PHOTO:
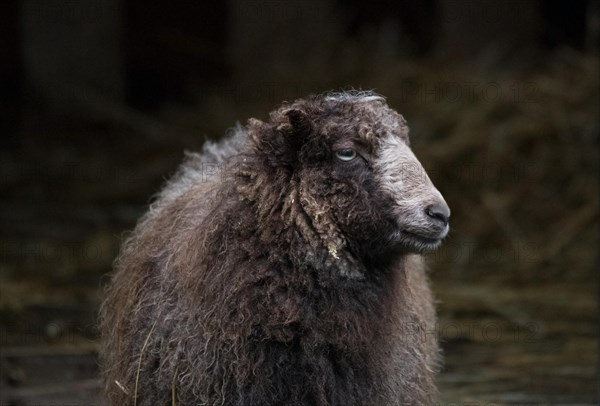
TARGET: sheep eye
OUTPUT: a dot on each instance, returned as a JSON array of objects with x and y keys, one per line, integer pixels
[{"x": 345, "y": 154}]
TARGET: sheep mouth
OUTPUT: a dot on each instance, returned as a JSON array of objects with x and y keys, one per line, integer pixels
[{"x": 417, "y": 242}]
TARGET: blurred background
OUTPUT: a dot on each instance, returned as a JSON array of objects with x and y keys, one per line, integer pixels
[{"x": 100, "y": 99}]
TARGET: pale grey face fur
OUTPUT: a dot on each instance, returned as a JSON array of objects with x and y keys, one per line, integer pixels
[{"x": 421, "y": 210}]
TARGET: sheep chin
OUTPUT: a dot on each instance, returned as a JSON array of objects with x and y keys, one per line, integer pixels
[{"x": 415, "y": 243}]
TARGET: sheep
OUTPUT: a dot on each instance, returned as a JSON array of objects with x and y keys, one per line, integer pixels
[{"x": 292, "y": 275}]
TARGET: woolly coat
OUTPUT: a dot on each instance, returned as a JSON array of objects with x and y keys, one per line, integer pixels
[{"x": 264, "y": 274}]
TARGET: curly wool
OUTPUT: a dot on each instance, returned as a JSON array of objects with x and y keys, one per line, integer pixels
[{"x": 262, "y": 275}]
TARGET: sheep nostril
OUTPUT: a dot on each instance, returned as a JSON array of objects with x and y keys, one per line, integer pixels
[{"x": 439, "y": 212}]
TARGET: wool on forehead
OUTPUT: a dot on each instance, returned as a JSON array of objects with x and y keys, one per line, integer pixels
[
  {"x": 364, "y": 113},
  {"x": 358, "y": 96}
]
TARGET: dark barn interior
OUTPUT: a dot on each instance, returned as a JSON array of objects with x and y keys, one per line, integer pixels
[{"x": 99, "y": 100}]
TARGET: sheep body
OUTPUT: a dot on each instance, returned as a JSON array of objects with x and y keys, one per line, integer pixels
[{"x": 267, "y": 272}]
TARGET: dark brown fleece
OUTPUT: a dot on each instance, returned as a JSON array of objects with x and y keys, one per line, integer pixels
[{"x": 274, "y": 281}]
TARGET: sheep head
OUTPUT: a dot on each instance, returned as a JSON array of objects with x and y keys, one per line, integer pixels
[{"x": 344, "y": 160}]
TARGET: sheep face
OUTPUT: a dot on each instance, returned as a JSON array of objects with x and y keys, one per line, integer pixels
[
  {"x": 348, "y": 164},
  {"x": 419, "y": 209}
]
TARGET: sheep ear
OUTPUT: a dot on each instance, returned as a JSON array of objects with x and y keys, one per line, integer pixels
[
  {"x": 297, "y": 129},
  {"x": 299, "y": 121},
  {"x": 282, "y": 140},
  {"x": 268, "y": 140}
]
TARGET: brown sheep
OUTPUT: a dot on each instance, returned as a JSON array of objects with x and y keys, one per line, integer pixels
[{"x": 291, "y": 276}]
